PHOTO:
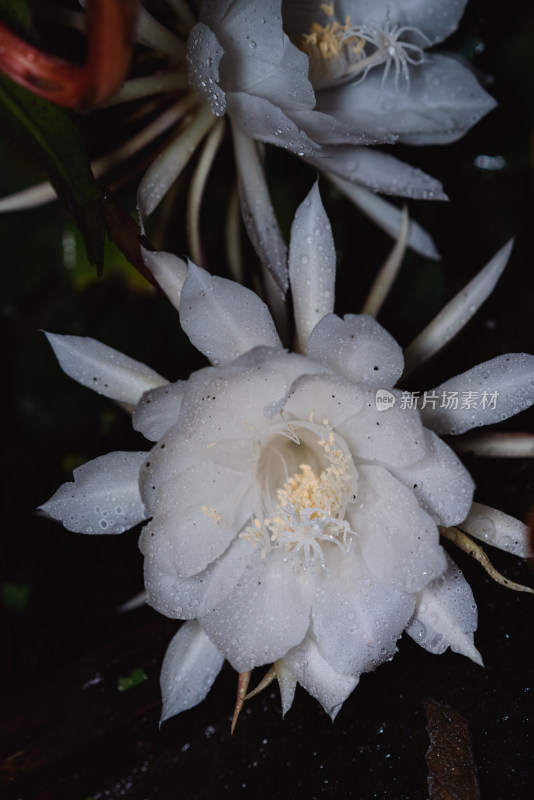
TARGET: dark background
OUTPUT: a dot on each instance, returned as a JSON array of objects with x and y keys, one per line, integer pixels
[{"x": 69, "y": 730}]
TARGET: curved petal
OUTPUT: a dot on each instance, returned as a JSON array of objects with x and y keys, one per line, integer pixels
[
  {"x": 169, "y": 163},
  {"x": 172, "y": 596},
  {"x": 104, "y": 497},
  {"x": 103, "y": 369},
  {"x": 326, "y": 400},
  {"x": 435, "y": 18},
  {"x": 204, "y": 54},
  {"x": 267, "y": 122},
  {"x": 257, "y": 210},
  {"x": 498, "y": 529},
  {"x": 378, "y": 171},
  {"x": 440, "y": 482},
  {"x": 386, "y": 216},
  {"x": 312, "y": 671},
  {"x": 158, "y": 410},
  {"x": 259, "y": 57},
  {"x": 266, "y": 613},
  {"x": 198, "y": 513},
  {"x": 444, "y": 100},
  {"x": 223, "y": 319},
  {"x": 312, "y": 265},
  {"x": 457, "y": 313},
  {"x": 325, "y": 129},
  {"x": 446, "y": 615},
  {"x": 399, "y": 542},
  {"x": 169, "y": 271},
  {"x": 191, "y": 664},
  {"x": 490, "y": 392},
  {"x": 358, "y": 348},
  {"x": 357, "y": 619},
  {"x": 390, "y": 435}
]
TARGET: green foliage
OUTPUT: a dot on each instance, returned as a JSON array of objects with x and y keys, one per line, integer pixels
[{"x": 135, "y": 677}]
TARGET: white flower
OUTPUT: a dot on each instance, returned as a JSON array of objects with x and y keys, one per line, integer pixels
[
  {"x": 326, "y": 81},
  {"x": 293, "y": 521}
]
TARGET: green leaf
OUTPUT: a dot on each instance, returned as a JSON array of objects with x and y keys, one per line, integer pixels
[
  {"x": 50, "y": 134},
  {"x": 16, "y": 596},
  {"x": 135, "y": 677},
  {"x": 16, "y": 13}
]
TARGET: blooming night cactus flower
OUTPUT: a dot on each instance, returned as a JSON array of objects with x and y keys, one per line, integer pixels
[
  {"x": 293, "y": 520},
  {"x": 326, "y": 81}
]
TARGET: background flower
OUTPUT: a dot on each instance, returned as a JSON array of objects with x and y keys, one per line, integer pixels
[{"x": 351, "y": 77}]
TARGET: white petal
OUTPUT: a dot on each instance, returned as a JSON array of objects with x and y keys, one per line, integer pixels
[
  {"x": 391, "y": 435},
  {"x": 266, "y": 614},
  {"x": 191, "y": 664},
  {"x": 158, "y": 410},
  {"x": 323, "y": 397},
  {"x": 457, "y": 313},
  {"x": 490, "y": 392},
  {"x": 498, "y": 529},
  {"x": 263, "y": 120},
  {"x": 204, "y": 54},
  {"x": 258, "y": 213},
  {"x": 169, "y": 271},
  {"x": 198, "y": 513},
  {"x": 175, "y": 597},
  {"x": 399, "y": 541},
  {"x": 313, "y": 672},
  {"x": 357, "y": 619},
  {"x": 103, "y": 369},
  {"x": 440, "y": 482},
  {"x": 387, "y": 216},
  {"x": 312, "y": 266},
  {"x": 104, "y": 497},
  {"x": 224, "y": 319},
  {"x": 169, "y": 163},
  {"x": 288, "y": 685},
  {"x": 259, "y": 57},
  {"x": 446, "y": 616},
  {"x": 378, "y": 171},
  {"x": 358, "y": 348},
  {"x": 444, "y": 100},
  {"x": 437, "y": 19}
]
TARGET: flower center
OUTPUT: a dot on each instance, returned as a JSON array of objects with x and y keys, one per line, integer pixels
[
  {"x": 339, "y": 52},
  {"x": 305, "y": 512}
]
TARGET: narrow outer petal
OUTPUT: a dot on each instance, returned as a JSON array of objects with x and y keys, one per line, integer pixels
[
  {"x": 204, "y": 54},
  {"x": 223, "y": 319},
  {"x": 103, "y": 369},
  {"x": 312, "y": 671},
  {"x": 457, "y": 313},
  {"x": 104, "y": 497},
  {"x": 498, "y": 529},
  {"x": 258, "y": 213},
  {"x": 378, "y": 171},
  {"x": 386, "y": 215},
  {"x": 191, "y": 664},
  {"x": 508, "y": 379},
  {"x": 169, "y": 271},
  {"x": 312, "y": 265},
  {"x": 446, "y": 616}
]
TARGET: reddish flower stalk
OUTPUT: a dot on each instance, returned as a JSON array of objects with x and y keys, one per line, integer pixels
[{"x": 110, "y": 26}]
